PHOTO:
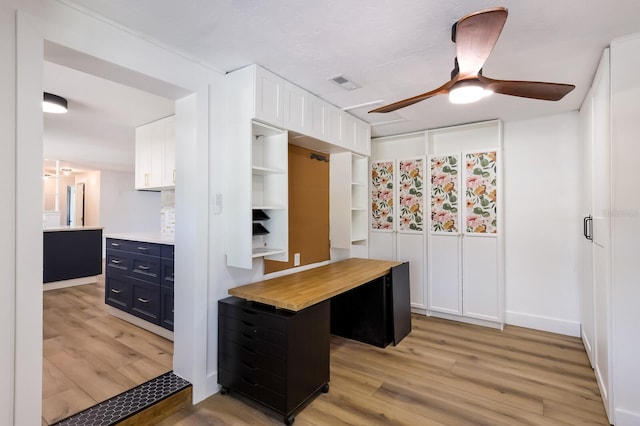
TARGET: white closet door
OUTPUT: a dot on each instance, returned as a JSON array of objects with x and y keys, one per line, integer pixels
[
  {"x": 588, "y": 306},
  {"x": 444, "y": 251},
  {"x": 411, "y": 222},
  {"x": 382, "y": 235},
  {"x": 480, "y": 252}
]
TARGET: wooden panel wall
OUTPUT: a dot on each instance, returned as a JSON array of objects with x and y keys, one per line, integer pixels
[{"x": 308, "y": 209}]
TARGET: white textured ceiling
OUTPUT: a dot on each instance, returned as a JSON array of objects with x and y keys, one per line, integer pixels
[{"x": 392, "y": 49}]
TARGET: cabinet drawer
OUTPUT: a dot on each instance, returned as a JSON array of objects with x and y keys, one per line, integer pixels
[
  {"x": 149, "y": 249},
  {"x": 229, "y": 330},
  {"x": 251, "y": 389},
  {"x": 145, "y": 267},
  {"x": 252, "y": 316},
  {"x": 166, "y": 272},
  {"x": 232, "y": 350},
  {"x": 145, "y": 300},
  {"x": 253, "y": 374},
  {"x": 167, "y": 251},
  {"x": 166, "y": 308},
  {"x": 253, "y": 331},
  {"x": 122, "y": 245},
  {"x": 117, "y": 261},
  {"x": 117, "y": 291}
]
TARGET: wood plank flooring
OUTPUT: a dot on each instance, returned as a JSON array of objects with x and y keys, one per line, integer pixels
[
  {"x": 90, "y": 356},
  {"x": 443, "y": 373}
]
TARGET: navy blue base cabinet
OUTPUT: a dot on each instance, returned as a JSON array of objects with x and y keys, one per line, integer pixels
[{"x": 139, "y": 280}]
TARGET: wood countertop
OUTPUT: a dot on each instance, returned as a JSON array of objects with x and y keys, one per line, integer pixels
[{"x": 300, "y": 290}]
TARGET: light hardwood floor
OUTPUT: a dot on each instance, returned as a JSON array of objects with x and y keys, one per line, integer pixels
[
  {"x": 90, "y": 356},
  {"x": 443, "y": 373}
]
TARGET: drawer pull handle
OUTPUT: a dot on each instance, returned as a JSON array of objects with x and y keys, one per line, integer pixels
[
  {"x": 143, "y": 267},
  {"x": 116, "y": 291},
  {"x": 143, "y": 248},
  {"x": 247, "y": 349},
  {"x": 249, "y": 382},
  {"x": 115, "y": 245},
  {"x": 140, "y": 299},
  {"x": 115, "y": 261}
]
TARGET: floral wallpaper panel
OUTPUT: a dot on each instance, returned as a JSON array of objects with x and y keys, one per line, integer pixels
[
  {"x": 382, "y": 195},
  {"x": 444, "y": 193},
  {"x": 410, "y": 191},
  {"x": 480, "y": 193}
]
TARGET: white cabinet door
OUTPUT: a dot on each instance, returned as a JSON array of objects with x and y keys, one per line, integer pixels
[
  {"x": 411, "y": 248},
  {"x": 297, "y": 111},
  {"x": 149, "y": 155},
  {"x": 169, "y": 153},
  {"x": 269, "y": 91},
  {"x": 334, "y": 125},
  {"x": 362, "y": 138},
  {"x": 480, "y": 298},
  {"x": 445, "y": 278},
  {"x": 319, "y": 125}
]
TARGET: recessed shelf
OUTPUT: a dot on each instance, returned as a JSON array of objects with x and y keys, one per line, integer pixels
[
  {"x": 259, "y": 214},
  {"x": 268, "y": 207},
  {"x": 266, "y": 251},
  {"x": 259, "y": 229},
  {"x": 264, "y": 171}
]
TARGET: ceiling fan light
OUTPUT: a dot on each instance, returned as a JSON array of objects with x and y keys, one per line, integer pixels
[
  {"x": 466, "y": 93},
  {"x": 487, "y": 93},
  {"x": 54, "y": 103}
]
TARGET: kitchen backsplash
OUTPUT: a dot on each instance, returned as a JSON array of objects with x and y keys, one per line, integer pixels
[{"x": 168, "y": 215}]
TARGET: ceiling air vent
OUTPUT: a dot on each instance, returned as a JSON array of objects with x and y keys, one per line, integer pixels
[{"x": 344, "y": 82}]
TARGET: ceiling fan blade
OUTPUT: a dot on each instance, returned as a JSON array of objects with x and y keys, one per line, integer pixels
[
  {"x": 444, "y": 89},
  {"x": 475, "y": 36},
  {"x": 528, "y": 89}
]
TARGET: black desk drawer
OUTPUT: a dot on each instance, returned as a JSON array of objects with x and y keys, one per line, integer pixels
[
  {"x": 122, "y": 245},
  {"x": 236, "y": 332},
  {"x": 117, "y": 260},
  {"x": 251, "y": 389},
  {"x": 253, "y": 373},
  {"x": 145, "y": 267},
  {"x": 253, "y": 317},
  {"x": 241, "y": 353},
  {"x": 145, "y": 300}
]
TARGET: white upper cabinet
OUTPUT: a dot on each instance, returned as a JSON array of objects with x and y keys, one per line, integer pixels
[
  {"x": 269, "y": 94},
  {"x": 277, "y": 102},
  {"x": 155, "y": 155}
]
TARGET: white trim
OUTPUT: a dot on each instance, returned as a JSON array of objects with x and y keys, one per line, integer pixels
[
  {"x": 539, "y": 322},
  {"x": 56, "y": 285},
  {"x": 467, "y": 320}
]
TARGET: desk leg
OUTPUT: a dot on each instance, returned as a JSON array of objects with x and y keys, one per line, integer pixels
[{"x": 401, "y": 302}]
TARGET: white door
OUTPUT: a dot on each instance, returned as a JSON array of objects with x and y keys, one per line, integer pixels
[
  {"x": 601, "y": 229},
  {"x": 382, "y": 236},
  {"x": 588, "y": 307},
  {"x": 445, "y": 234}
]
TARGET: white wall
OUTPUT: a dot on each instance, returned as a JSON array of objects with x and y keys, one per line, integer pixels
[
  {"x": 542, "y": 223},
  {"x": 123, "y": 209},
  {"x": 92, "y": 196}
]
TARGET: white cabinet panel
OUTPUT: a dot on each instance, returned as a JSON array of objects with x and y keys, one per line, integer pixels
[
  {"x": 334, "y": 127},
  {"x": 363, "y": 138},
  {"x": 445, "y": 283},
  {"x": 297, "y": 111},
  {"x": 155, "y": 155},
  {"x": 269, "y": 91},
  {"x": 318, "y": 118},
  {"x": 169, "y": 153},
  {"x": 382, "y": 245},
  {"x": 480, "y": 278},
  {"x": 411, "y": 249}
]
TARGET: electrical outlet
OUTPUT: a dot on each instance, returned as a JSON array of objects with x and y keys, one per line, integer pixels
[{"x": 296, "y": 259}]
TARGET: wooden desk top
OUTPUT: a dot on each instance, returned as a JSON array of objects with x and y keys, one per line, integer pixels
[{"x": 303, "y": 289}]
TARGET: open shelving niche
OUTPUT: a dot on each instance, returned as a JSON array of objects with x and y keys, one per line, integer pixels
[
  {"x": 359, "y": 199},
  {"x": 269, "y": 190}
]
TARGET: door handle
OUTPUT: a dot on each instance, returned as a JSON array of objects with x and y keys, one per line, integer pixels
[{"x": 587, "y": 227}]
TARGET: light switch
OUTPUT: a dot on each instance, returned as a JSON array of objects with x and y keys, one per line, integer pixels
[{"x": 296, "y": 259}]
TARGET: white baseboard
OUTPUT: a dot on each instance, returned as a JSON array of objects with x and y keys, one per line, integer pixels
[
  {"x": 538, "y": 322},
  {"x": 627, "y": 418},
  {"x": 466, "y": 320},
  {"x": 55, "y": 285},
  {"x": 160, "y": 331}
]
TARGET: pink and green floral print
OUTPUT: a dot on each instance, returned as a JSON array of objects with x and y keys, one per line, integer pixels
[
  {"x": 410, "y": 195},
  {"x": 444, "y": 194},
  {"x": 481, "y": 196},
  {"x": 382, "y": 195}
]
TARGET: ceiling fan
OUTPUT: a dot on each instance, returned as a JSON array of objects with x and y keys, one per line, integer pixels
[{"x": 475, "y": 35}]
